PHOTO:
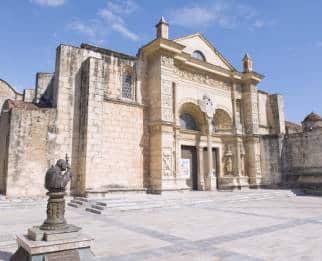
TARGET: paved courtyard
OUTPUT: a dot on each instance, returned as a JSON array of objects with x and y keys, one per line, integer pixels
[{"x": 247, "y": 225}]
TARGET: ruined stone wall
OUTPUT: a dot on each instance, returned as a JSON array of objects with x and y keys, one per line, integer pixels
[
  {"x": 277, "y": 106},
  {"x": 44, "y": 89},
  {"x": 7, "y": 92},
  {"x": 4, "y": 141},
  {"x": 30, "y": 152},
  {"x": 28, "y": 95}
]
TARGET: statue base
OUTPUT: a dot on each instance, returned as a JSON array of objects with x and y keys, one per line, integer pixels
[
  {"x": 230, "y": 182},
  {"x": 75, "y": 249},
  {"x": 68, "y": 232}
]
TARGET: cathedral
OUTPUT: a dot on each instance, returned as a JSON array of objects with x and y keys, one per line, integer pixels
[{"x": 177, "y": 116}]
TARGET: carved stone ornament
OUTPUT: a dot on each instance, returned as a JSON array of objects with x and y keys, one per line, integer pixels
[
  {"x": 203, "y": 79},
  {"x": 167, "y": 162},
  {"x": 207, "y": 106},
  {"x": 228, "y": 161}
]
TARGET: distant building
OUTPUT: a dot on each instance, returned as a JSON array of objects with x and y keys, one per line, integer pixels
[{"x": 135, "y": 122}]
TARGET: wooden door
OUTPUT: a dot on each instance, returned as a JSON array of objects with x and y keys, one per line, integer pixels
[{"x": 189, "y": 156}]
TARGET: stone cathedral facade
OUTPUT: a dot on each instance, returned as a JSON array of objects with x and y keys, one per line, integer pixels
[{"x": 135, "y": 123}]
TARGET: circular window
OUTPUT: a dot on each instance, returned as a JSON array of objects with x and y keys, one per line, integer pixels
[{"x": 199, "y": 55}]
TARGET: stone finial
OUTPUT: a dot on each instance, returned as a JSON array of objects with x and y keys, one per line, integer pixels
[
  {"x": 162, "y": 29},
  {"x": 247, "y": 63}
]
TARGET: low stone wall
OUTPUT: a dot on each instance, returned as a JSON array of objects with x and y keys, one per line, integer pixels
[{"x": 303, "y": 159}]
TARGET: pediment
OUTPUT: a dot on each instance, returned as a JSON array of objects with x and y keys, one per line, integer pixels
[{"x": 197, "y": 42}]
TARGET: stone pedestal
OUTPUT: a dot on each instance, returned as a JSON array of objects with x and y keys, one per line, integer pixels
[
  {"x": 213, "y": 183},
  {"x": 233, "y": 182},
  {"x": 255, "y": 182},
  {"x": 76, "y": 249},
  {"x": 69, "y": 231},
  {"x": 55, "y": 212}
]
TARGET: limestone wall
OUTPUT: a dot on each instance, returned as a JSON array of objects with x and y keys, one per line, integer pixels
[
  {"x": 28, "y": 95},
  {"x": 4, "y": 141},
  {"x": 30, "y": 150},
  {"x": 7, "y": 92},
  {"x": 271, "y": 159},
  {"x": 303, "y": 153},
  {"x": 302, "y": 163},
  {"x": 112, "y": 139},
  {"x": 66, "y": 98},
  {"x": 44, "y": 89}
]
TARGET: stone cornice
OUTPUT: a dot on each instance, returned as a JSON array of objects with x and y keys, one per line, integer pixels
[
  {"x": 124, "y": 102},
  {"x": 253, "y": 77},
  {"x": 161, "y": 44},
  {"x": 185, "y": 59}
]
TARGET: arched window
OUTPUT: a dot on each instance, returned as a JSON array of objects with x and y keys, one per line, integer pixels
[
  {"x": 127, "y": 86},
  {"x": 188, "y": 122},
  {"x": 199, "y": 55},
  {"x": 222, "y": 120}
]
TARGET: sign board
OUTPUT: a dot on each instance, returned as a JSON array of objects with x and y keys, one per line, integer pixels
[{"x": 185, "y": 168}]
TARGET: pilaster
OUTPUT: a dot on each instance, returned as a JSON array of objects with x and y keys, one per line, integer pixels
[{"x": 253, "y": 167}]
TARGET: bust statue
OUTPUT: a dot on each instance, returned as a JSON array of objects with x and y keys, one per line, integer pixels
[{"x": 58, "y": 176}]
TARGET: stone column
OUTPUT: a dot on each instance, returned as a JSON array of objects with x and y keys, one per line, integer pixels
[
  {"x": 251, "y": 127},
  {"x": 233, "y": 101},
  {"x": 253, "y": 161},
  {"x": 237, "y": 157},
  {"x": 209, "y": 152},
  {"x": 201, "y": 178},
  {"x": 208, "y": 108}
]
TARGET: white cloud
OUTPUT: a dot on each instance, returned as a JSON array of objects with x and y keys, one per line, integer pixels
[
  {"x": 52, "y": 3},
  {"x": 122, "y": 7},
  {"x": 80, "y": 27},
  {"x": 125, "y": 32},
  {"x": 194, "y": 16},
  {"x": 226, "y": 14},
  {"x": 113, "y": 16},
  {"x": 110, "y": 18}
]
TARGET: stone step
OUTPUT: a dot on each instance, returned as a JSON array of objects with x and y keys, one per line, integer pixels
[
  {"x": 82, "y": 199},
  {"x": 75, "y": 201},
  {"x": 73, "y": 205},
  {"x": 100, "y": 203},
  {"x": 98, "y": 207},
  {"x": 93, "y": 210}
]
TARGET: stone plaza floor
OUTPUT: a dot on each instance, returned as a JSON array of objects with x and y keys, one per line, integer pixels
[{"x": 246, "y": 225}]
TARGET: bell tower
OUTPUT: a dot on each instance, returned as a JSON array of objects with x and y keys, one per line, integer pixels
[
  {"x": 247, "y": 63},
  {"x": 162, "y": 29}
]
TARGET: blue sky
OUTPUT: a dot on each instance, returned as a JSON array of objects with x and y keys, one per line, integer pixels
[{"x": 284, "y": 38}]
